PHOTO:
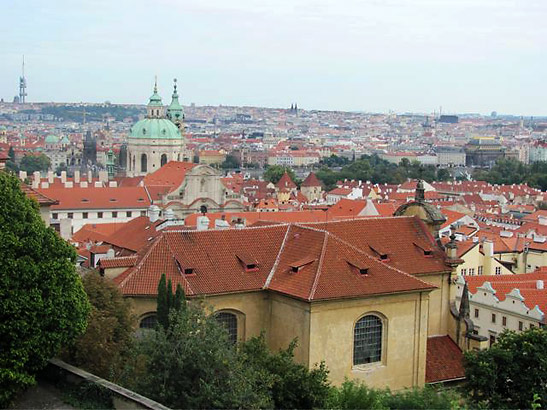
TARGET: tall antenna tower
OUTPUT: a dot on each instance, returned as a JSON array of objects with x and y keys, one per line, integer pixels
[{"x": 22, "y": 85}]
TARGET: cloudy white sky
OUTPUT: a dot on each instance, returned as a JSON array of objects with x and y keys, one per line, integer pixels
[{"x": 366, "y": 55}]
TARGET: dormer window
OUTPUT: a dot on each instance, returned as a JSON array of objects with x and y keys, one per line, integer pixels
[
  {"x": 382, "y": 254},
  {"x": 426, "y": 250},
  {"x": 184, "y": 270},
  {"x": 188, "y": 271},
  {"x": 249, "y": 262},
  {"x": 359, "y": 267},
  {"x": 300, "y": 264}
]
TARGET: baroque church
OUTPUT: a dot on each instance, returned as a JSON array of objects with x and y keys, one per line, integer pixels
[{"x": 157, "y": 139}]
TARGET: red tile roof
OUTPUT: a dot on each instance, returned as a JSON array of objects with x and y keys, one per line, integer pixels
[
  {"x": 311, "y": 180},
  {"x": 42, "y": 199},
  {"x": 285, "y": 182},
  {"x": 330, "y": 273},
  {"x": 443, "y": 360},
  {"x": 97, "y": 198},
  {"x": 123, "y": 262}
]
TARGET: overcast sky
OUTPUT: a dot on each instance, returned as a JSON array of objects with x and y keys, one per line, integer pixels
[{"x": 359, "y": 55}]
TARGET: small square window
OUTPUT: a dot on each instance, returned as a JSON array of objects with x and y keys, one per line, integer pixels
[
  {"x": 143, "y": 213},
  {"x": 84, "y": 215},
  {"x": 504, "y": 321},
  {"x": 471, "y": 271},
  {"x": 128, "y": 214},
  {"x": 99, "y": 214},
  {"x": 498, "y": 270},
  {"x": 54, "y": 216},
  {"x": 114, "y": 214},
  {"x": 493, "y": 318},
  {"x": 70, "y": 215},
  {"x": 477, "y": 313},
  {"x": 464, "y": 272}
]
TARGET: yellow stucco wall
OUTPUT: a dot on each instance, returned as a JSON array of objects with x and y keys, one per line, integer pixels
[
  {"x": 325, "y": 331},
  {"x": 439, "y": 303},
  {"x": 404, "y": 339}
]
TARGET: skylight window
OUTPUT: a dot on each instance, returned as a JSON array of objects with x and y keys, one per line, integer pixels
[
  {"x": 359, "y": 267},
  {"x": 249, "y": 262}
]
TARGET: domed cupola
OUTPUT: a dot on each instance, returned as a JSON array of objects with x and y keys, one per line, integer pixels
[
  {"x": 155, "y": 107},
  {"x": 175, "y": 111}
]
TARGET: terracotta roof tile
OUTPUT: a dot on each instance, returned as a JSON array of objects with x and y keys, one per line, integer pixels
[
  {"x": 443, "y": 360},
  {"x": 97, "y": 198}
]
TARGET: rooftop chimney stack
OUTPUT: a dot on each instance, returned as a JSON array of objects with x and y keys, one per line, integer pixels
[
  {"x": 202, "y": 223},
  {"x": 77, "y": 176},
  {"x": 154, "y": 213}
]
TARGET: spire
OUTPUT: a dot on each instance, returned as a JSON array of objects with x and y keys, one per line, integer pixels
[
  {"x": 155, "y": 84},
  {"x": 420, "y": 191},
  {"x": 464, "y": 304},
  {"x": 175, "y": 111}
]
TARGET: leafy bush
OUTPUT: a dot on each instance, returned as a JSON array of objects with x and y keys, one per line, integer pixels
[
  {"x": 355, "y": 395},
  {"x": 109, "y": 332},
  {"x": 511, "y": 372},
  {"x": 43, "y": 305}
]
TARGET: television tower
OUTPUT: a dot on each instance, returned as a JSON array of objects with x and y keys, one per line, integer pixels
[{"x": 22, "y": 85}]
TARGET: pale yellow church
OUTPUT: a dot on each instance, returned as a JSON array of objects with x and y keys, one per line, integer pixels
[{"x": 370, "y": 297}]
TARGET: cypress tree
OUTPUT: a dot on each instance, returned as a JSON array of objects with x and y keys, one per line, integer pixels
[
  {"x": 180, "y": 298},
  {"x": 170, "y": 296},
  {"x": 162, "y": 303}
]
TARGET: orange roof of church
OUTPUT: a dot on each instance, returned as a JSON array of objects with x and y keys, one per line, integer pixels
[
  {"x": 170, "y": 175},
  {"x": 285, "y": 182},
  {"x": 311, "y": 180},
  {"x": 443, "y": 360},
  {"x": 333, "y": 251}
]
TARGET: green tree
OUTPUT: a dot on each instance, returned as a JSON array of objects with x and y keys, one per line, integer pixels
[
  {"x": 180, "y": 299},
  {"x": 100, "y": 350},
  {"x": 275, "y": 172},
  {"x": 42, "y": 302},
  {"x": 230, "y": 162},
  {"x": 293, "y": 385},
  {"x": 191, "y": 364},
  {"x": 32, "y": 163},
  {"x": 509, "y": 373},
  {"x": 62, "y": 167},
  {"x": 162, "y": 303}
]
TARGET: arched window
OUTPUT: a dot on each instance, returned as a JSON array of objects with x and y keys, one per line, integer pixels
[
  {"x": 144, "y": 163},
  {"x": 148, "y": 322},
  {"x": 163, "y": 159},
  {"x": 367, "y": 340},
  {"x": 229, "y": 321}
]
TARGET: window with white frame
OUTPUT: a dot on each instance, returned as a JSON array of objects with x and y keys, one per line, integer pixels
[{"x": 498, "y": 270}]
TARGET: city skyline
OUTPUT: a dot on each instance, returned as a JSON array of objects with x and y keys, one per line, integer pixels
[{"x": 404, "y": 56}]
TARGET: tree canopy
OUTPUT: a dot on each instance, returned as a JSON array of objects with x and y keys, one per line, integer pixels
[
  {"x": 109, "y": 334},
  {"x": 510, "y": 373},
  {"x": 32, "y": 163},
  {"x": 42, "y": 301},
  {"x": 230, "y": 162},
  {"x": 379, "y": 171},
  {"x": 511, "y": 171}
]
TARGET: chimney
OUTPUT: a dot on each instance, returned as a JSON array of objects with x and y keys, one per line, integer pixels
[
  {"x": 22, "y": 175},
  {"x": 36, "y": 179},
  {"x": 50, "y": 177},
  {"x": 63, "y": 177},
  {"x": 154, "y": 213},
  {"x": 103, "y": 176},
  {"x": 202, "y": 223},
  {"x": 77, "y": 176},
  {"x": 539, "y": 284},
  {"x": 488, "y": 248},
  {"x": 89, "y": 176},
  {"x": 169, "y": 215}
]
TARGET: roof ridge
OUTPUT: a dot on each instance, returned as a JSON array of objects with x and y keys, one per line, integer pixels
[
  {"x": 138, "y": 266},
  {"x": 320, "y": 265},
  {"x": 276, "y": 263}
]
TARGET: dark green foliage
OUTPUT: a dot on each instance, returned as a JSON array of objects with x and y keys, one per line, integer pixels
[
  {"x": 191, "y": 364},
  {"x": 355, "y": 395},
  {"x": 335, "y": 161},
  {"x": 230, "y": 162},
  {"x": 293, "y": 386},
  {"x": 275, "y": 172},
  {"x": 378, "y": 171},
  {"x": 62, "y": 167},
  {"x": 180, "y": 299},
  {"x": 43, "y": 305},
  {"x": 162, "y": 301},
  {"x": 509, "y": 373},
  {"x": 87, "y": 396},
  {"x": 32, "y": 163},
  {"x": 511, "y": 171},
  {"x": 100, "y": 350}
]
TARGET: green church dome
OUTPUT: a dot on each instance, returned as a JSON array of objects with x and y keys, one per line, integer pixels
[
  {"x": 155, "y": 128},
  {"x": 65, "y": 140},
  {"x": 52, "y": 139}
]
